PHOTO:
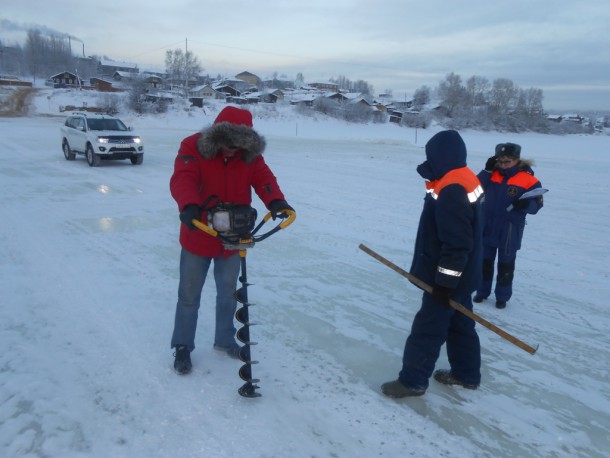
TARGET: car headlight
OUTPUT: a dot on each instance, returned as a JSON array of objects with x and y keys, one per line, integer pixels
[
  {"x": 102, "y": 140},
  {"x": 137, "y": 140}
]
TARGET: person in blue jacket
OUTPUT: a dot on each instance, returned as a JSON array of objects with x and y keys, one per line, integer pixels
[
  {"x": 506, "y": 178},
  {"x": 447, "y": 256}
]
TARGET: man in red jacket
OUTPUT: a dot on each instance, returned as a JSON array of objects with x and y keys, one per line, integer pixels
[{"x": 222, "y": 163}]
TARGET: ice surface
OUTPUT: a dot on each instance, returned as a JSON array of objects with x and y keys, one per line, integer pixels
[{"x": 88, "y": 276}]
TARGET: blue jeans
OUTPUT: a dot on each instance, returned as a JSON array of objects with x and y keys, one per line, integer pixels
[{"x": 193, "y": 271}]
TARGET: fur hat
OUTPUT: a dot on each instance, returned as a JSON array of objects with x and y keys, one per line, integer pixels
[
  {"x": 508, "y": 149},
  {"x": 231, "y": 129}
]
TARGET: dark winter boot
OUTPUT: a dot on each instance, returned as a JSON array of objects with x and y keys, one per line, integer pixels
[
  {"x": 182, "y": 361},
  {"x": 446, "y": 377},
  {"x": 396, "y": 389},
  {"x": 478, "y": 298},
  {"x": 500, "y": 304}
]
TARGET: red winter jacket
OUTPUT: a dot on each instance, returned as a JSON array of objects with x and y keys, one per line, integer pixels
[{"x": 201, "y": 170}]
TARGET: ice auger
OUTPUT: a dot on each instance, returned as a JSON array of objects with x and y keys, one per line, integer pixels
[{"x": 234, "y": 226}]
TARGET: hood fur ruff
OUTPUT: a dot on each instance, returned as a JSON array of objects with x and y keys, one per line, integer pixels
[{"x": 213, "y": 139}]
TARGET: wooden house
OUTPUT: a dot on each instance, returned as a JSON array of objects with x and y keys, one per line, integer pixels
[
  {"x": 102, "y": 85},
  {"x": 325, "y": 86},
  {"x": 206, "y": 91},
  {"x": 250, "y": 78},
  {"x": 66, "y": 79},
  {"x": 108, "y": 67}
]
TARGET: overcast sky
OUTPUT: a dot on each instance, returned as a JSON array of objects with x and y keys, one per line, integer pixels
[{"x": 559, "y": 46}]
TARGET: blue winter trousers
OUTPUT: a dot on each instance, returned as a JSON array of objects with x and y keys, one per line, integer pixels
[
  {"x": 193, "y": 272},
  {"x": 434, "y": 325},
  {"x": 506, "y": 272}
]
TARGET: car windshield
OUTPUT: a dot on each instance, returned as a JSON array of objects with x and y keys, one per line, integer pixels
[{"x": 106, "y": 124}]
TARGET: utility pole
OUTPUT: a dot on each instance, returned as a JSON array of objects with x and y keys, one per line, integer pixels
[{"x": 186, "y": 53}]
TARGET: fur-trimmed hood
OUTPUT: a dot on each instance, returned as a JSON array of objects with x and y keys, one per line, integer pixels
[{"x": 231, "y": 129}]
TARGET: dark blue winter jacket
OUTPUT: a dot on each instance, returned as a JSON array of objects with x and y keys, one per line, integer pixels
[
  {"x": 448, "y": 246},
  {"x": 503, "y": 229}
]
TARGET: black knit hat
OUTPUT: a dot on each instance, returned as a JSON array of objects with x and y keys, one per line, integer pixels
[{"x": 508, "y": 149}]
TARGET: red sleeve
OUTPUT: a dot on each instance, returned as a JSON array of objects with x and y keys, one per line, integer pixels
[
  {"x": 264, "y": 182},
  {"x": 185, "y": 181}
]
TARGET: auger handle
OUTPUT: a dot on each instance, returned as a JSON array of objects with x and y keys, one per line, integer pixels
[
  {"x": 204, "y": 227},
  {"x": 292, "y": 215}
]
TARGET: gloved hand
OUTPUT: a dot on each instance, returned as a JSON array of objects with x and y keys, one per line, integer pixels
[
  {"x": 521, "y": 204},
  {"x": 491, "y": 163},
  {"x": 441, "y": 294},
  {"x": 188, "y": 214},
  {"x": 278, "y": 208}
]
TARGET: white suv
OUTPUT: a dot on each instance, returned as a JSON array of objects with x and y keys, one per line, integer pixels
[{"x": 100, "y": 137}]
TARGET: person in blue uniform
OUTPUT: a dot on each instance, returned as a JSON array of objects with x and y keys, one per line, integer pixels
[
  {"x": 505, "y": 179},
  {"x": 447, "y": 256}
]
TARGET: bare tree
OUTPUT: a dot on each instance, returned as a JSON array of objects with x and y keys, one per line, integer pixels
[
  {"x": 503, "y": 96},
  {"x": 452, "y": 93},
  {"x": 182, "y": 67},
  {"x": 363, "y": 87},
  {"x": 342, "y": 82},
  {"x": 47, "y": 54},
  {"x": 477, "y": 88},
  {"x": 421, "y": 97},
  {"x": 300, "y": 80},
  {"x": 345, "y": 84}
]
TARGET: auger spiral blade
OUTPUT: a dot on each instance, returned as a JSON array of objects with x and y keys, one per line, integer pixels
[
  {"x": 248, "y": 391},
  {"x": 243, "y": 335},
  {"x": 245, "y": 372},
  {"x": 241, "y": 315},
  {"x": 244, "y": 355},
  {"x": 241, "y": 295}
]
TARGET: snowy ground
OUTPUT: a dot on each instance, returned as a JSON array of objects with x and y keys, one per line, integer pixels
[{"x": 88, "y": 279}]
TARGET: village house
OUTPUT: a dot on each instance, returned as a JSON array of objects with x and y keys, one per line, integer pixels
[
  {"x": 226, "y": 89},
  {"x": 66, "y": 79},
  {"x": 272, "y": 97},
  {"x": 278, "y": 83},
  {"x": 206, "y": 91},
  {"x": 250, "y": 78},
  {"x": 108, "y": 67},
  {"x": 120, "y": 75},
  {"x": 198, "y": 94},
  {"x": 103, "y": 85},
  {"x": 325, "y": 86}
]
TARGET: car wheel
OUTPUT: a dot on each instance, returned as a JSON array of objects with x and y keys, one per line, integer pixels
[
  {"x": 137, "y": 159},
  {"x": 92, "y": 159},
  {"x": 68, "y": 154}
]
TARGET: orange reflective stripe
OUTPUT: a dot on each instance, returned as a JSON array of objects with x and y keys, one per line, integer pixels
[
  {"x": 462, "y": 176},
  {"x": 523, "y": 180},
  {"x": 520, "y": 179},
  {"x": 496, "y": 177}
]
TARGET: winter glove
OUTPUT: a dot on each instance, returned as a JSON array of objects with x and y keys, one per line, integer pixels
[
  {"x": 490, "y": 164},
  {"x": 441, "y": 294},
  {"x": 188, "y": 214},
  {"x": 278, "y": 208},
  {"x": 521, "y": 204}
]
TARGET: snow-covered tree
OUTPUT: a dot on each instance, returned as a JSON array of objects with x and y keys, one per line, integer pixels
[
  {"x": 477, "y": 88},
  {"x": 421, "y": 97},
  {"x": 451, "y": 93},
  {"x": 182, "y": 67}
]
